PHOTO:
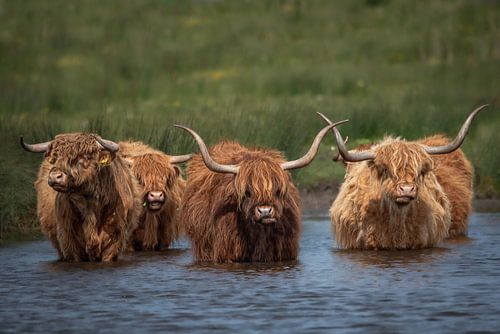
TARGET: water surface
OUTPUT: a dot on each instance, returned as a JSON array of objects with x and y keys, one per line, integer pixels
[{"x": 453, "y": 288}]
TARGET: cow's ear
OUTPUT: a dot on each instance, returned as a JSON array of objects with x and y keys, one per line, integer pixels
[
  {"x": 427, "y": 166},
  {"x": 105, "y": 158},
  {"x": 177, "y": 170}
]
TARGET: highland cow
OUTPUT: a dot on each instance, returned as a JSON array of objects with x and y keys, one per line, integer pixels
[
  {"x": 87, "y": 201},
  {"x": 403, "y": 195},
  {"x": 240, "y": 204},
  {"x": 162, "y": 189}
]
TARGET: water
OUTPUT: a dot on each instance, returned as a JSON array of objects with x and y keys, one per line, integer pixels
[{"x": 454, "y": 288}]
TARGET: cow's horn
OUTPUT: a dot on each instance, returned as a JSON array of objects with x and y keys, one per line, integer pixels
[
  {"x": 108, "y": 144},
  {"x": 346, "y": 154},
  {"x": 35, "y": 148},
  {"x": 209, "y": 162},
  {"x": 455, "y": 144},
  {"x": 178, "y": 159},
  {"x": 306, "y": 159}
]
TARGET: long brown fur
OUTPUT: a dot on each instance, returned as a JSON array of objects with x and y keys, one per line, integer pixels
[
  {"x": 217, "y": 208},
  {"x": 154, "y": 171},
  {"x": 92, "y": 221},
  {"x": 455, "y": 174},
  {"x": 365, "y": 215}
]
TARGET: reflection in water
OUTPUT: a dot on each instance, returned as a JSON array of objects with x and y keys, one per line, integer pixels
[
  {"x": 452, "y": 289},
  {"x": 388, "y": 259},
  {"x": 247, "y": 268}
]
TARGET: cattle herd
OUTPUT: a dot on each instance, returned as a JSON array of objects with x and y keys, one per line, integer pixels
[{"x": 97, "y": 199}]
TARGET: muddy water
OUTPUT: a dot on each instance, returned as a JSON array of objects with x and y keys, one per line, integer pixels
[{"x": 454, "y": 288}]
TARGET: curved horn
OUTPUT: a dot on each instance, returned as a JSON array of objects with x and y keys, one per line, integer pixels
[
  {"x": 178, "y": 159},
  {"x": 108, "y": 144},
  {"x": 455, "y": 144},
  {"x": 337, "y": 156},
  {"x": 347, "y": 155},
  {"x": 306, "y": 159},
  {"x": 35, "y": 148},
  {"x": 209, "y": 162}
]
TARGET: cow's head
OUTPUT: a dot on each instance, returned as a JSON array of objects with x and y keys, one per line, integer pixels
[
  {"x": 398, "y": 165},
  {"x": 157, "y": 174},
  {"x": 76, "y": 159},
  {"x": 401, "y": 168},
  {"x": 261, "y": 181}
]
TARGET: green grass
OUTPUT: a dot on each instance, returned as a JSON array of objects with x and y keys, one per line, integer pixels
[{"x": 255, "y": 71}]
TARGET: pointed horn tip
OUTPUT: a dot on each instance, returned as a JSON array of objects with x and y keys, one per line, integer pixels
[
  {"x": 21, "y": 141},
  {"x": 332, "y": 125},
  {"x": 481, "y": 107},
  {"x": 341, "y": 122}
]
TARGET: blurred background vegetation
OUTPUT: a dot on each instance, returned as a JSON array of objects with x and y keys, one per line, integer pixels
[{"x": 255, "y": 71}]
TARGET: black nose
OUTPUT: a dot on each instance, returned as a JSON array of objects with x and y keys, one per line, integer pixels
[{"x": 156, "y": 196}]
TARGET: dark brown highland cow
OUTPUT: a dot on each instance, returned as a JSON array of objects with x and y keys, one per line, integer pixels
[
  {"x": 240, "y": 204},
  {"x": 162, "y": 190},
  {"x": 403, "y": 195},
  {"x": 87, "y": 197}
]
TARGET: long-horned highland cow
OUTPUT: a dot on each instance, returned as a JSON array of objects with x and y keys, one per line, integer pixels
[
  {"x": 401, "y": 194},
  {"x": 87, "y": 197},
  {"x": 240, "y": 204},
  {"x": 162, "y": 190}
]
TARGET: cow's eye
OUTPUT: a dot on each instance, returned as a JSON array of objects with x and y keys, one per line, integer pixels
[
  {"x": 83, "y": 162},
  {"x": 51, "y": 160},
  {"x": 384, "y": 171},
  {"x": 248, "y": 193}
]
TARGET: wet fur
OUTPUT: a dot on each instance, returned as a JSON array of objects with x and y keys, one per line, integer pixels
[
  {"x": 217, "y": 208},
  {"x": 154, "y": 171},
  {"x": 93, "y": 221},
  {"x": 365, "y": 216}
]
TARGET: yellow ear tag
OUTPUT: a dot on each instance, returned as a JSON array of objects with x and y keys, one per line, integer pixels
[{"x": 105, "y": 160}]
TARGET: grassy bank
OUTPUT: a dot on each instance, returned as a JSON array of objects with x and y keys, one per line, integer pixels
[{"x": 255, "y": 71}]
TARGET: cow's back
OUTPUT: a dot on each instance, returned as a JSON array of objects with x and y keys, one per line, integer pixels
[{"x": 455, "y": 174}]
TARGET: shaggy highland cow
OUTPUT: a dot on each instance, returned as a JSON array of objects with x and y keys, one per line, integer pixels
[
  {"x": 240, "y": 204},
  {"x": 87, "y": 202},
  {"x": 403, "y": 195},
  {"x": 162, "y": 189}
]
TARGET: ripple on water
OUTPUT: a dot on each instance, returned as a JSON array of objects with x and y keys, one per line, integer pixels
[{"x": 446, "y": 289}]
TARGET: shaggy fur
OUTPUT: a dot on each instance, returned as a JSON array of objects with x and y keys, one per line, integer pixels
[
  {"x": 157, "y": 229},
  {"x": 218, "y": 208},
  {"x": 92, "y": 218},
  {"x": 455, "y": 174},
  {"x": 365, "y": 214}
]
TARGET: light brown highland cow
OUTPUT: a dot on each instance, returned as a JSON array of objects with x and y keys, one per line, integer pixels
[
  {"x": 403, "y": 195},
  {"x": 162, "y": 189},
  {"x": 240, "y": 204},
  {"x": 87, "y": 201}
]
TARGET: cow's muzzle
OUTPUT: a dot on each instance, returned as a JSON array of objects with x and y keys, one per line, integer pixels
[
  {"x": 155, "y": 200},
  {"x": 406, "y": 192},
  {"x": 264, "y": 214},
  {"x": 58, "y": 181}
]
